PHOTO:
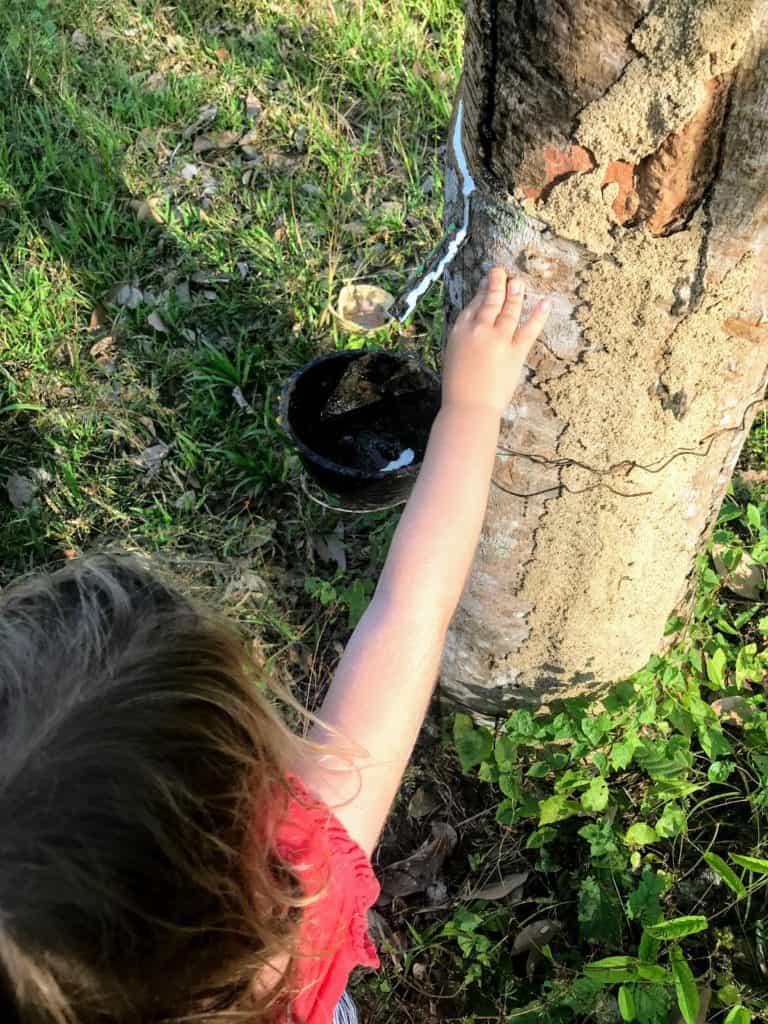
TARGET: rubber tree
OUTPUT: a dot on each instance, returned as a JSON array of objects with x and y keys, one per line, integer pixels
[{"x": 619, "y": 152}]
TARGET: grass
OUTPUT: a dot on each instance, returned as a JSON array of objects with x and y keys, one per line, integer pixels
[{"x": 155, "y": 294}]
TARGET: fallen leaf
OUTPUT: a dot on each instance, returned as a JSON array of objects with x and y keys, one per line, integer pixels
[
  {"x": 126, "y": 295},
  {"x": 733, "y": 709},
  {"x": 378, "y": 928},
  {"x": 391, "y": 208},
  {"x": 206, "y": 116},
  {"x": 754, "y": 476},
  {"x": 240, "y": 400},
  {"x": 331, "y": 549},
  {"x": 746, "y": 580},
  {"x": 156, "y": 82},
  {"x": 215, "y": 141},
  {"x": 98, "y": 319},
  {"x": 145, "y": 211},
  {"x": 221, "y": 54},
  {"x": 419, "y": 871},
  {"x": 535, "y": 935},
  {"x": 299, "y": 139},
  {"x": 21, "y": 490},
  {"x": 253, "y": 109},
  {"x": 363, "y": 307},
  {"x": 424, "y": 802},
  {"x": 245, "y": 584},
  {"x": 356, "y": 228},
  {"x": 437, "y": 893},
  {"x": 205, "y": 278},
  {"x": 189, "y": 171},
  {"x": 79, "y": 40},
  {"x": 103, "y": 348},
  {"x": 500, "y": 890},
  {"x": 156, "y": 321},
  {"x": 152, "y": 457},
  {"x": 182, "y": 293},
  {"x": 247, "y": 140}
]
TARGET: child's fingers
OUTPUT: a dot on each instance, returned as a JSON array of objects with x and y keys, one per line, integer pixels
[
  {"x": 531, "y": 329},
  {"x": 509, "y": 317},
  {"x": 493, "y": 297},
  {"x": 477, "y": 299}
]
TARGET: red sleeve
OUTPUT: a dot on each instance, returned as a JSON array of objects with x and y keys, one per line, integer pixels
[{"x": 333, "y": 938}]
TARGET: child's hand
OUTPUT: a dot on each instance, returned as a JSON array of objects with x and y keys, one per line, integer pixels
[{"x": 486, "y": 349}]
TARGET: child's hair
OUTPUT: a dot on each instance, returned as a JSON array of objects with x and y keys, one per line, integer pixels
[{"x": 135, "y": 750}]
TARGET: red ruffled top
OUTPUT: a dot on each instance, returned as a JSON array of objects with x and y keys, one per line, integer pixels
[{"x": 333, "y": 935}]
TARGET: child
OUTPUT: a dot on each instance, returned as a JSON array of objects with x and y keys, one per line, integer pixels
[{"x": 160, "y": 861}]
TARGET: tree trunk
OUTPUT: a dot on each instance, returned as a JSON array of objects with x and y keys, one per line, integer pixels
[{"x": 620, "y": 153}]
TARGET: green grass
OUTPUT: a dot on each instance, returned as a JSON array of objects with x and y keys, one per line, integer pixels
[
  {"x": 95, "y": 132},
  {"x": 123, "y": 417}
]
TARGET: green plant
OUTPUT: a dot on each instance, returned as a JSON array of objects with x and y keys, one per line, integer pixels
[{"x": 615, "y": 792}]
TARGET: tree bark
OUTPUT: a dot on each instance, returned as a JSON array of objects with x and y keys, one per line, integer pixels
[{"x": 620, "y": 152}]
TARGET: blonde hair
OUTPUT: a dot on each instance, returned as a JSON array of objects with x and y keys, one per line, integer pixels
[{"x": 136, "y": 752}]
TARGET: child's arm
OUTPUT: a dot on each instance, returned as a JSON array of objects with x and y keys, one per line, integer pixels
[{"x": 384, "y": 680}]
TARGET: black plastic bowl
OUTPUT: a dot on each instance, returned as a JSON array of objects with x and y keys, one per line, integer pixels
[{"x": 351, "y": 413}]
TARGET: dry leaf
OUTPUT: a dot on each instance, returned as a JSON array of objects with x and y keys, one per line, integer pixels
[
  {"x": 145, "y": 211},
  {"x": 300, "y": 139},
  {"x": 21, "y": 490},
  {"x": 206, "y": 116},
  {"x": 209, "y": 277},
  {"x": 363, "y": 307},
  {"x": 152, "y": 457},
  {"x": 103, "y": 348},
  {"x": 502, "y": 889},
  {"x": 733, "y": 709},
  {"x": 156, "y": 321},
  {"x": 253, "y": 109},
  {"x": 221, "y": 54},
  {"x": 746, "y": 580},
  {"x": 126, "y": 295},
  {"x": 535, "y": 935},
  {"x": 98, "y": 319},
  {"x": 156, "y": 82},
  {"x": 419, "y": 871},
  {"x": 79, "y": 40},
  {"x": 248, "y": 140},
  {"x": 331, "y": 549},
  {"x": 224, "y": 140},
  {"x": 423, "y": 802},
  {"x": 244, "y": 584},
  {"x": 240, "y": 400},
  {"x": 356, "y": 228},
  {"x": 378, "y": 928}
]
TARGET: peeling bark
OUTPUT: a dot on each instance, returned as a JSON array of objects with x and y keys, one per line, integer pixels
[{"x": 620, "y": 153}]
